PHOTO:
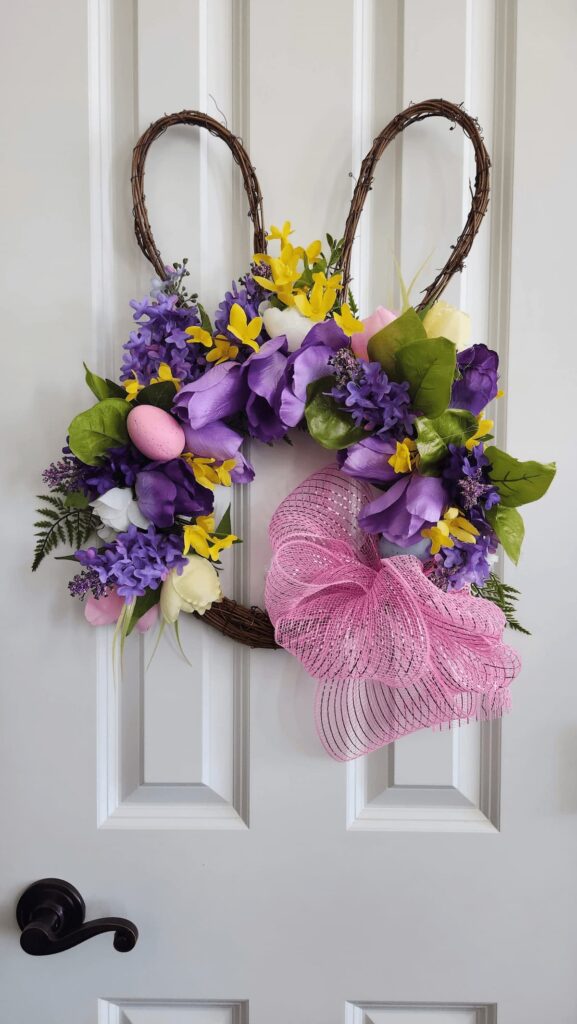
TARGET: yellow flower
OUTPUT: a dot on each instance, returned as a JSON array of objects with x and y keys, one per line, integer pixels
[
  {"x": 280, "y": 234},
  {"x": 198, "y": 334},
  {"x": 312, "y": 251},
  {"x": 202, "y": 538},
  {"x": 195, "y": 589},
  {"x": 285, "y": 273},
  {"x": 246, "y": 332},
  {"x": 453, "y": 524},
  {"x": 222, "y": 351},
  {"x": 207, "y": 472},
  {"x": 483, "y": 427},
  {"x": 347, "y": 322},
  {"x": 404, "y": 456},
  {"x": 132, "y": 387},
  {"x": 318, "y": 303},
  {"x": 334, "y": 281},
  {"x": 165, "y": 374}
]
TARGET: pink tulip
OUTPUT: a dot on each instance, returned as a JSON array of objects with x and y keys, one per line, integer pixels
[
  {"x": 103, "y": 611},
  {"x": 373, "y": 324}
]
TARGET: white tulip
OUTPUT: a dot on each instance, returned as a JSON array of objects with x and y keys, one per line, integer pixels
[
  {"x": 117, "y": 509},
  {"x": 445, "y": 321},
  {"x": 288, "y": 322},
  {"x": 194, "y": 590}
]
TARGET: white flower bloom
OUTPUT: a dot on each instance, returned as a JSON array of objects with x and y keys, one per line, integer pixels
[
  {"x": 194, "y": 590},
  {"x": 117, "y": 509},
  {"x": 289, "y": 322},
  {"x": 445, "y": 321}
]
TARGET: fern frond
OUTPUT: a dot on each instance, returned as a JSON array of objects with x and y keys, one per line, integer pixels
[
  {"x": 505, "y": 597},
  {"x": 60, "y": 524}
]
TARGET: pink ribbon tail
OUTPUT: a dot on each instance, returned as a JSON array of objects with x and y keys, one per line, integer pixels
[{"x": 392, "y": 653}]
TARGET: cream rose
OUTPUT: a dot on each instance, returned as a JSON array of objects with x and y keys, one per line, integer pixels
[
  {"x": 445, "y": 321},
  {"x": 194, "y": 590}
]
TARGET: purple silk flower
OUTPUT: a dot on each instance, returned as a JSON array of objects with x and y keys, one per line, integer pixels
[
  {"x": 478, "y": 366},
  {"x": 308, "y": 363},
  {"x": 228, "y": 388},
  {"x": 218, "y": 441},
  {"x": 400, "y": 513},
  {"x": 167, "y": 489},
  {"x": 369, "y": 460}
]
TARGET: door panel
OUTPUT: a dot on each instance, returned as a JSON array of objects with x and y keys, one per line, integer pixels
[{"x": 431, "y": 882}]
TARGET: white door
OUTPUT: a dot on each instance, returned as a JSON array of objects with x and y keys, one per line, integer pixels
[{"x": 430, "y": 883}]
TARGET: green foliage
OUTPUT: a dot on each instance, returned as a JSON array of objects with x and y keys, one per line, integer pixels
[
  {"x": 93, "y": 432},
  {"x": 510, "y": 529},
  {"x": 429, "y": 367},
  {"x": 385, "y": 344},
  {"x": 504, "y": 596},
  {"x": 328, "y": 423},
  {"x": 518, "y": 482},
  {"x": 224, "y": 528},
  {"x": 160, "y": 395},
  {"x": 140, "y": 607},
  {"x": 60, "y": 523},
  {"x": 352, "y": 304},
  {"x": 103, "y": 388},
  {"x": 204, "y": 318},
  {"x": 454, "y": 426},
  {"x": 76, "y": 499}
]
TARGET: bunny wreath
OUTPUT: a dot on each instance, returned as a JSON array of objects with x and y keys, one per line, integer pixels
[{"x": 399, "y": 397}]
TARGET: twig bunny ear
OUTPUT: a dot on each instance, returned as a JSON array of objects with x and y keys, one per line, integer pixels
[
  {"x": 479, "y": 199},
  {"x": 142, "y": 228}
]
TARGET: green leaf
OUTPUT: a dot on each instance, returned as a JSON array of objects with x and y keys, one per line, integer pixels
[
  {"x": 518, "y": 482},
  {"x": 328, "y": 423},
  {"x": 509, "y": 527},
  {"x": 204, "y": 318},
  {"x": 384, "y": 345},
  {"x": 161, "y": 395},
  {"x": 455, "y": 426},
  {"x": 429, "y": 367},
  {"x": 141, "y": 606},
  {"x": 93, "y": 432},
  {"x": 103, "y": 388},
  {"x": 224, "y": 526},
  {"x": 504, "y": 596},
  {"x": 76, "y": 499}
]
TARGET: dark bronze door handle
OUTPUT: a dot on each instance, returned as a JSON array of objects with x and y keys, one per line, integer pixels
[{"x": 50, "y": 914}]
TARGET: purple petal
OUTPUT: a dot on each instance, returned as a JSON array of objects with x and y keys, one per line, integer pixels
[
  {"x": 155, "y": 494},
  {"x": 221, "y": 392}
]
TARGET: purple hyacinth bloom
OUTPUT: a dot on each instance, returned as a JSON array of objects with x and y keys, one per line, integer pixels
[
  {"x": 249, "y": 298},
  {"x": 118, "y": 468},
  {"x": 87, "y": 581},
  {"x": 165, "y": 490},
  {"x": 310, "y": 362},
  {"x": 467, "y": 476},
  {"x": 229, "y": 388},
  {"x": 162, "y": 338},
  {"x": 400, "y": 514},
  {"x": 136, "y": 561},
  {"x": 369, "y": 460},
  {"x": 377, "y": 403},
  {"x": 464, "y": 564},
  {"x": 68, "y": 474},
  {"x": 219, "y": 441},
  {"x": 478, "y": 383}
]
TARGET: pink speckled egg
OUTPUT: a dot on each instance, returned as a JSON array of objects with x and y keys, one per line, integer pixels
[{"x": 155, "y": 433}]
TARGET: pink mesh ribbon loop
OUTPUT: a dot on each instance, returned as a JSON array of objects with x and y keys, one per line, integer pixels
[{"x": 392, "y": 653}]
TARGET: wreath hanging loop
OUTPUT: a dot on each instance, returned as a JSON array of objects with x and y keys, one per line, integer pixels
[
  {"x": 479, "y": 199},
  {"x": 142, "y": 228}
]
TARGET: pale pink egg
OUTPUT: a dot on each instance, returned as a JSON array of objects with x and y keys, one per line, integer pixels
[{"x": 155, "y": 433}]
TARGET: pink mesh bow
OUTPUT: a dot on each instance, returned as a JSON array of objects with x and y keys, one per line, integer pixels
[{"x": 391, "y": 651}]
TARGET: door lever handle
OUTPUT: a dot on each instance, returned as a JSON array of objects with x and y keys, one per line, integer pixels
[{"x": 50, "y": 914}]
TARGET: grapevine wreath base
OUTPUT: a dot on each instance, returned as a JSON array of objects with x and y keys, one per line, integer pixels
[{"x": 381, "y": 581}]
